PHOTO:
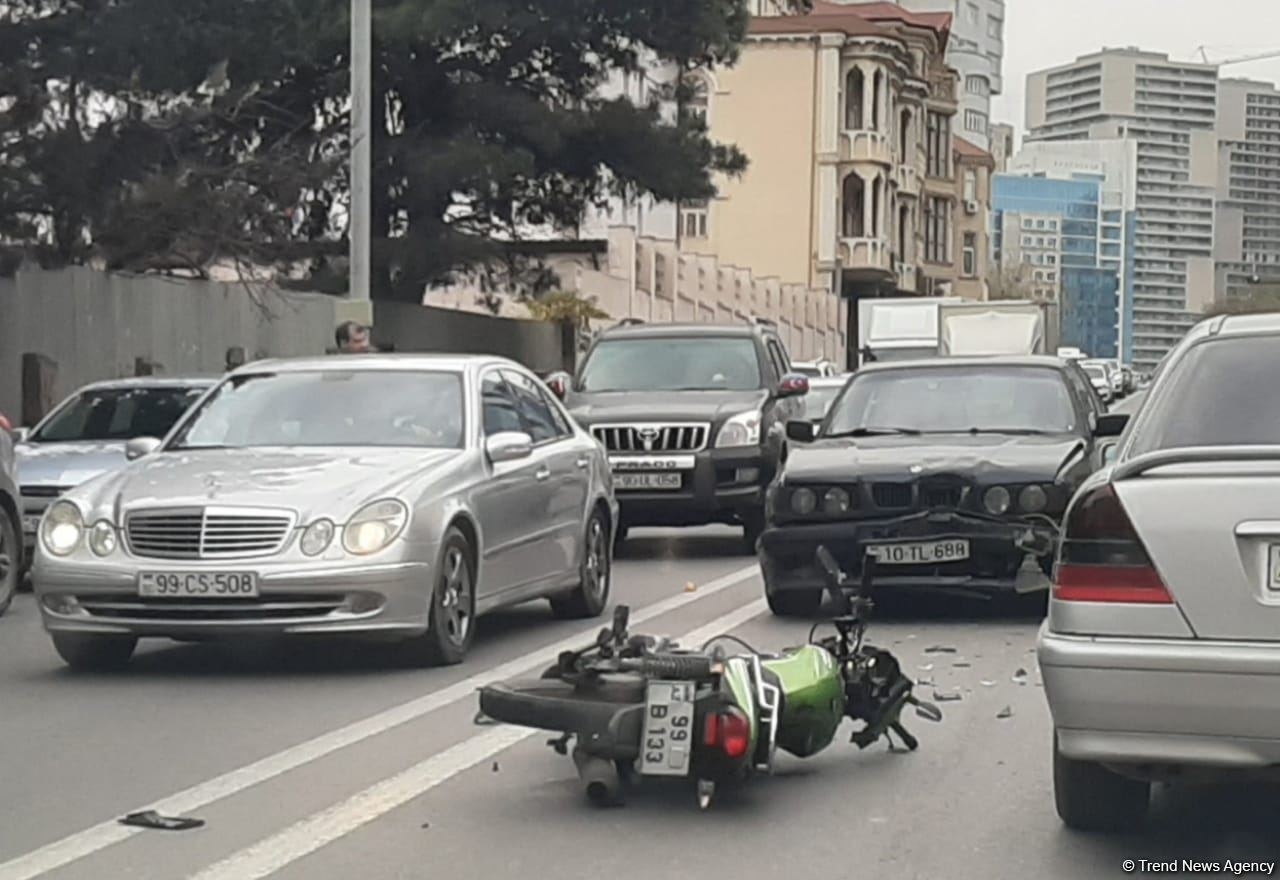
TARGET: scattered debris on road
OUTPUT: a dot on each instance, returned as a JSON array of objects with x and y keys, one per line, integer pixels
[
  {"x": 152, "y": 819},
  {"x": 962, "y": 664},
  {"x": 1020, "y": 677},
  {"x": 946, "y": 696},
  {"x": 1006, "y": 712},
  {"x": 988, "y": 683},
  {"x": 940, "y": 649}
]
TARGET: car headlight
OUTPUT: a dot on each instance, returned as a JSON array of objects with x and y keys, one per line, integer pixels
[
  {"x": 804, "y": 502},
  {"x": 997, "y": 500},
  {"x": 374, "y": 527},
  {"x": 62, "y": 528},
  {"x": 317, "y": 537},
  {"x": 740, "y": 430},
  {"x": 1033, "y": 499},
  {"x": 836, "y": 502},
  {"x": 102, "y": 538}
]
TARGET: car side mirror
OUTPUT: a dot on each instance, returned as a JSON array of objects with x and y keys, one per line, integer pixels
[
  {"x": 801, "y": 431},
  {"x": 20, "y": 435},
  {"x": 1111, "y": 425},
  {"x": 1109, "y": 452},
  {"x": 793, "y": 385},
  {"x": 508, "y": 446},
  {"x": 140, "y": 446},
  {"x": 559, "y": 384}
]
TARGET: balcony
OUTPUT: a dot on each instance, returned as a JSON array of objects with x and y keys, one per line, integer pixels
[
  {"x": 908, "y": 180},
  {"x": 866, "y": 259},
  {"x": 866, "y": 146}
]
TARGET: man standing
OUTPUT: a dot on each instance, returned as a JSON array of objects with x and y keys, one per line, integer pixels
[{"x": 353, "y": 338}]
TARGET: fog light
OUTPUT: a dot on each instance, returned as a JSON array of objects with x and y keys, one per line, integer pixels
[{"x": 747, "y": 475}]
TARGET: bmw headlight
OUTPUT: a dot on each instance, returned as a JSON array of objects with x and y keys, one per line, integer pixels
[
  {"x": 374, "y": 527},
  {"x": 1033, "y": 499},
  {"x": 997, "y": 500},
  {"x": 836, "y": 502},
  {"x": 804, "y": 502},
  {"x": 740, "y": 430},
  {"x": 102, "y": 538},
  {"x": 317, "y": 537},
  {"x": 62, "y": 529}
]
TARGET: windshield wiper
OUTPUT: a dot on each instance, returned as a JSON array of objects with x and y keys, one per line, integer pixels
[
  {"x": 201, "y": 447},
  {"x": 876, "y": 432},
  {"x": 1028, "y": 432}
]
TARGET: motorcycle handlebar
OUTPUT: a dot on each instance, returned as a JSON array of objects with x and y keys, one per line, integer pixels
[{"x": 680, "y": 667}]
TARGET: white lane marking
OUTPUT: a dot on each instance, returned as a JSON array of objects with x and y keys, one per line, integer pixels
[
  {"x": 270, "y": 854},
  {"x": 98, "y": 837}
]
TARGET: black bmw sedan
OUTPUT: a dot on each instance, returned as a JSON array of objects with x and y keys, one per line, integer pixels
[{"x": 952, "y": 473}]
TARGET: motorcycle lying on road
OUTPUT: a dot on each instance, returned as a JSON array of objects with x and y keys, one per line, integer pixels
[{"x": 635, "y": 706}]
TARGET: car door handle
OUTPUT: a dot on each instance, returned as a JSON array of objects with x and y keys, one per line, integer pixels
[
  {"x": 584, "y": 462},
  {"x": 543, "y": 473}
]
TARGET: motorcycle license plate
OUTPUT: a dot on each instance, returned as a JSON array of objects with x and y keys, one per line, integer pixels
[{"x": 668, "y": 729}]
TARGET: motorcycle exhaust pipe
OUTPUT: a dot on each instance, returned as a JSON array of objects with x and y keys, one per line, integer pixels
[{"x": 603, "y": 784}]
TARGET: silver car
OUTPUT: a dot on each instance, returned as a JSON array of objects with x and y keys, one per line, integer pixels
[
  {"x": 396, "y": 496},
  {"x": 85, "y": 436},
  {"x": 11, "y": 554},
  {"x": 1161, "y": 651}
]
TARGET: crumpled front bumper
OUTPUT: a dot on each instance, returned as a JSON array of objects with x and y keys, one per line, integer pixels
[{"x": 1005, "y": 555}]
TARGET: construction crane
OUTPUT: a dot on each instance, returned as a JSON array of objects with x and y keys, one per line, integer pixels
[{"x": 1242, "y": 59}]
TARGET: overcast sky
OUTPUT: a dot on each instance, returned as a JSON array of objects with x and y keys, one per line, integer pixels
[{"x": 1045, "y": 33}]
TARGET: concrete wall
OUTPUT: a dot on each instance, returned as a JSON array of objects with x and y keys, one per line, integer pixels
[{"x": 94, "y": 325}]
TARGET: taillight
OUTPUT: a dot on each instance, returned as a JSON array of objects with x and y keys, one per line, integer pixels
[
  {"x": 729, "y": 731},
  {"x": 1103, "y": 559}
]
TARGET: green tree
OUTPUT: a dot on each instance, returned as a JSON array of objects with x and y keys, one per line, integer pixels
[{"x": 180, "y": 132}]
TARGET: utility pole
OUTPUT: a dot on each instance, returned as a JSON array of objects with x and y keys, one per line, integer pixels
[{"x": 360, "y": 225}]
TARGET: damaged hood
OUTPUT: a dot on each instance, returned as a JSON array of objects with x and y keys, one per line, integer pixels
[{"x": 994, "y": 457}]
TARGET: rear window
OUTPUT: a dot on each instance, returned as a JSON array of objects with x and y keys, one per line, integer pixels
[{"x": 1222, "y": 392}]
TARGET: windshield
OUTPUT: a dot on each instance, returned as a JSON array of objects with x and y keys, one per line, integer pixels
[
  {"x": 115, "y": 414},
  {"x": 673, "y": 363},
  {"x": 1223, "y": 392},
  {"x": 819, "y": 400},
  {"x": 330, "y": 408},
  {"x": 999, "y": 399}
]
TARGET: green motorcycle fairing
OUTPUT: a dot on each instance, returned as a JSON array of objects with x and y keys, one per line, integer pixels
[{"x": 813, "y": 699}]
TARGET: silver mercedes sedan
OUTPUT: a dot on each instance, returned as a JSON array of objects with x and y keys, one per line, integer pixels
[
  {"x": 1161, "y": 652},
  {"x": 396, "y": 496}
]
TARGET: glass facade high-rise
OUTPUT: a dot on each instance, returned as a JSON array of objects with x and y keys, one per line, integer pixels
[{"x": 1169, "y": 109}]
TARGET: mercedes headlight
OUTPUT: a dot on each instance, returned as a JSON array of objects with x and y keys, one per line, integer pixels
[
  {"x": 317, "y": 537},
  {"x": 62, "y": 528},
  {"x": 997, "y": 500},
  {"x": 102, "y": 538},
  {"x": 740, "y": 430},
  {"x": 374, "y": 527}
]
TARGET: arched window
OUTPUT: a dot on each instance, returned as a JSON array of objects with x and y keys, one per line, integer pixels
[
  {"x": 854, "y": 84},
  {"x": 853, "y": 200}
]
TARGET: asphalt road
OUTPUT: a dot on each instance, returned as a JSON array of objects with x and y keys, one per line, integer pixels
[{"x": 323, "y": 762}]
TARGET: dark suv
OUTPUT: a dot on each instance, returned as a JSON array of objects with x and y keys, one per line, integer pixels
[{"x": 693, "y": 417}]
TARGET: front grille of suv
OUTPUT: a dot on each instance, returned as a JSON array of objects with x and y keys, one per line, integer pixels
[{"x": 665, "y": 437}]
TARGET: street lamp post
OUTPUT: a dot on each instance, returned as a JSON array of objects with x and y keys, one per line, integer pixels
[{"x": 360, "y": 226}]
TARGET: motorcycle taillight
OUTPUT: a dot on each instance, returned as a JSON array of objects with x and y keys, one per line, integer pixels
[{"x": 728, "y": 730}]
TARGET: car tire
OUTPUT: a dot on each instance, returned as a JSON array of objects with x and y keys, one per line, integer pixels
[
  {"x": 10, "y": 561},
  {"x": 595, "y": 574},
  {"x": 1089, "y": 797},
  {"x": 451, "y": 622},
  {"x": 795, "y": 603},
  {"x": 94, "y": 653}
]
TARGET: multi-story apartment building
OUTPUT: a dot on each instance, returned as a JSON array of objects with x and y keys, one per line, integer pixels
[
  {"x": 976, "y": 51},
  {"x": 1028, "y": 252},
  {"x": 1169, "y": 108},
  {"x": 974, "y": 168},
  {"x": 1247, "y": 228},
  {"x": 1113, "y": 163}
]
